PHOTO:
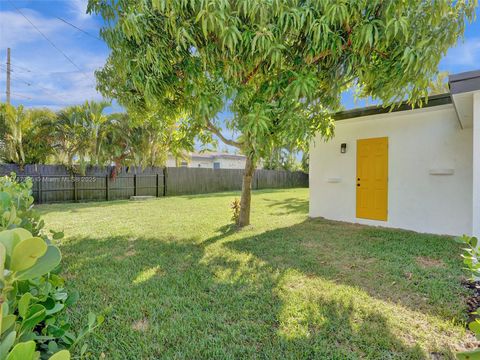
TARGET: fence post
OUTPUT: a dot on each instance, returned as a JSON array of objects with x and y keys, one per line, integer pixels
[
  {"x": 39, "y": 189},
  {"x": 134, "y": 184},
  {"x": 107, "y": 192},
  {"x": 156, "y": 186},
  {"x": 75, "y": 195},
  {"x": 165, "y": 172}
]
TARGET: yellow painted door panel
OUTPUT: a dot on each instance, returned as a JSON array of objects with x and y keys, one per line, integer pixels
[{"x": 372, "y": 178}]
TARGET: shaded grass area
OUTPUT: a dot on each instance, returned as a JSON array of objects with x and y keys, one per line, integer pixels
[{"x": 181, "y": 283}]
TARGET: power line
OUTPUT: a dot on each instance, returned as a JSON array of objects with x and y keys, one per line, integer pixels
[
  {"x": 50, "y": 92},
  {"x": 21, "y": 68},
  {"x": 21, "y": 96},
  {"x": 79, "y": 29},
  {"x": 16, "y": 77},
  {"x": 46, "y": 38}
]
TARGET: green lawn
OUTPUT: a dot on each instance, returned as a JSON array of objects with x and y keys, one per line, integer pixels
[{"x": 182, "y": 284}]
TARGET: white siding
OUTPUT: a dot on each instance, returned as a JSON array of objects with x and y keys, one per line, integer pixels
[
  {"x": 476, "y": 165},
  {"x": 419, "y": 141}
]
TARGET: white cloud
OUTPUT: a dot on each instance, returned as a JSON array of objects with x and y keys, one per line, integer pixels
[
  {"x": 466, "y": 53},
  {"x": 15, "y": 29},
  {"x": 55, "y": 82},
  {"x": 79, "y": 9}
]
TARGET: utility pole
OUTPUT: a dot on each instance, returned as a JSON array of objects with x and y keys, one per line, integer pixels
[{"x": 8, "y": 75}]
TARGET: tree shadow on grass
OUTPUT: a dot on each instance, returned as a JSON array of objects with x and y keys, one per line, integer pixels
[
  {"x": 388, "y": 264},
  {"x": 288, "y": 206},
  {"x": 176, "y": 299}
]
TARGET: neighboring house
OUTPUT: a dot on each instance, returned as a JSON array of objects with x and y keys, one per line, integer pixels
[
  {"x": 412, "y": 169},
  {"x": 209, "y": 160}
]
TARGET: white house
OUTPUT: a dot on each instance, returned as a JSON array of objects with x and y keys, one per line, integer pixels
[
  {"x": 209, "y": 160},
  {"x": 413, "y": 169}
]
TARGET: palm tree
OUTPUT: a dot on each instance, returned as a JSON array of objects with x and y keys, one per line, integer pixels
[
  {"x": 15, "y": 120},
  {"x": 72, "y": 135},
  {"x": 38, "y": 139},
  {"x": 96, "y": 122}
]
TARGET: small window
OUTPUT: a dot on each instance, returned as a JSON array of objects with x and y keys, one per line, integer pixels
[
  {"x": 216, "y": 165},
  {"x": 184, "y": 164}
]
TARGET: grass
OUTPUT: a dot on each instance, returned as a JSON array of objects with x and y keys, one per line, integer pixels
[{"x": 181, "y": 283}]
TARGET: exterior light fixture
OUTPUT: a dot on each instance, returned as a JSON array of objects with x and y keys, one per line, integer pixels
[{"x": 343, "y": 148}]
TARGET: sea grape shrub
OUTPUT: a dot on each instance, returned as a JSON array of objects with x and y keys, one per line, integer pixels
[
  {"x": 34, "y": 321},
  {"x": 471, "y": 255}
]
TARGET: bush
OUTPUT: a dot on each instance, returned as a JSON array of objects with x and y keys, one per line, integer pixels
[
  {"x": 33, "y": 305},
  {"x": 471, "y": 257}
]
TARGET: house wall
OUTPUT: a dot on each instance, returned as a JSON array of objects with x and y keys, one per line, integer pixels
[
  {"x": 171, "y": 162},
  {"x": 476, "y": 165},
  {"x": 419, "y": 141},
  {"x": 200, "y": 163},
  {"x": 230, "y": 163}
]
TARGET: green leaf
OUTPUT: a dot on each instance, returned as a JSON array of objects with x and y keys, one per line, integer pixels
[
  {"x": 474, "y": 242},
  {"x": 5, "y": 199},
  {"x": 23, "y": 351},
  {"x": 58, "y": 235},
  {"x": 6, "y": 344},
  {"x": 469, "y": 355},
  {"x": 27, "y": 252},
  {"x": 83, "y": 350},
  {"x": 9, "y": 239},
  {"x": 58, "y": 307},
  {"x": 44, "y": 265},
  {"x": 55, "y": 331},
  {"x": 24, "y": 303},
  {"x": 22, "y": 233},
  {"x": 7, "y": 322},
  {"x": 3, "y": 259},
  {"x": 61, "y": 355},
  {"x": 36, "y": 314},
  {"x": 72, "y": 298},
  {"x": 52, "y": 346},
  {"x": 91, "y": 319},
  {"x": 475, "y": 326}
]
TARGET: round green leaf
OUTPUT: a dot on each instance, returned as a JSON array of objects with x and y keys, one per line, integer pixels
[
  {"x": 61, "y": 355},
  {"x": 23, "y": 351},
  {"x": 27, "y": 252},
  {"x": 44, "y": 265}
]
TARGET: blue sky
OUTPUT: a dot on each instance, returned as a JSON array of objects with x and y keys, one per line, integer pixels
[{"x": 43, "y": 77}]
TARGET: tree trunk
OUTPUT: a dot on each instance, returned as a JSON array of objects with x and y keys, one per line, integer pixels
[{"x": 245, "y": 200}]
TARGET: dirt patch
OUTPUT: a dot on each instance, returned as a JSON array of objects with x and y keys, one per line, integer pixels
[
  {"x": 140, "y": 325},
  {"x": 427, "y": 262}
]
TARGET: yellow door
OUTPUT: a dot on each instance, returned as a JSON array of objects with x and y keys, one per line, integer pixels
[{"x": 372, "y": 178}]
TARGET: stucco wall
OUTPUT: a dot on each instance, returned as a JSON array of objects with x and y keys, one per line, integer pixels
[
  {"x": 200, "y": 163},
  {"x": 230, "y": 163},
  {"x": 476, "y": 166},
  {"x": 419, "y": 141}
]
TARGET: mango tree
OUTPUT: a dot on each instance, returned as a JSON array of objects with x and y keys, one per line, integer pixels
[{"x": 278, "y": 66}]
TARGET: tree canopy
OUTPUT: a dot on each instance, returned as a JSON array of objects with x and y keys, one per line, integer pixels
[
  {"x": 278, "y": 66},
  {"x": 84, "y": 135}
]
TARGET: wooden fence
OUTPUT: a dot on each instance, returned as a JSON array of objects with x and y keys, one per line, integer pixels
[{"x": 54, "y": 183}]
